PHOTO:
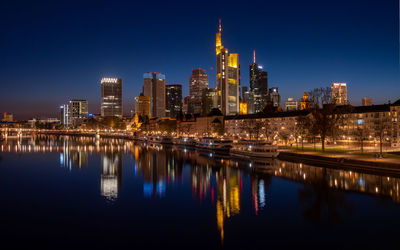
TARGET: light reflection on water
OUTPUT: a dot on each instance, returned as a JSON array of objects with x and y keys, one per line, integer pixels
[{"x": 220, "y": 182}]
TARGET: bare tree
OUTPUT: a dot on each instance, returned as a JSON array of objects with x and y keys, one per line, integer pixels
[{"x": 382, "y": 128}]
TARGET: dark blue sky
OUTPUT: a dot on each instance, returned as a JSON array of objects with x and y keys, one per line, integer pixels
[{"x": 53, "y": 51}]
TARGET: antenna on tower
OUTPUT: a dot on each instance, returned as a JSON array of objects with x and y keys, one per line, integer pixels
[
  {"x": 220, "y": 29},
  {"x": 254, "y": 56}
]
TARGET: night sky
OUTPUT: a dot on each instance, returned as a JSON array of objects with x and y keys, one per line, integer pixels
[{"x": 53, "y": 51}]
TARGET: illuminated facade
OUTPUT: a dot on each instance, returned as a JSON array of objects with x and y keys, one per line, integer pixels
[
  {"x": 154, "y": 86},
  {"x": 111, "y": 97},
  {"x": 78, "y": 111},
  {"x": 7, "y": 117},
  {"x": 210, "y": 100},
  {"x": 243, "y": 108},
  {"x": 63, "y": 114},
  {"x": 291, "y": 105},
  {"x": 197, "y": 84},
  {"x": 367, "y": 101},
  {"x": 274, "y": 97},
  {"x": 228, "y": 78},
  {"x": 173, "y": 100},
  {"x": 339, "y": 93},
  {"x": 305, "y": 103},
  {"x": 258, "y": 85},
  {"x": 142, "y": 106}
]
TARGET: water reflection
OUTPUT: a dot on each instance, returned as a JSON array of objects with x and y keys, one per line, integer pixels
[{"x": 219, "y": 182}]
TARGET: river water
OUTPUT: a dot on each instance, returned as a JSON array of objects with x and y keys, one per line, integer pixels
[{"x": 79, "y": 191}]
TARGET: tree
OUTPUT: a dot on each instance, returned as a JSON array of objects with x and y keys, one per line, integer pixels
[
  {"x": 326, "y": 117},
  {"x": 382, "y": 128},
  {"x": 301, "y": 129},
  {"x": 253, "y": 127},
  {"x": 361, "y": 133}
]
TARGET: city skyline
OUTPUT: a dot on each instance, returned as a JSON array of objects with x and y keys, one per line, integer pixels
[{"x": 360, "y": 50}]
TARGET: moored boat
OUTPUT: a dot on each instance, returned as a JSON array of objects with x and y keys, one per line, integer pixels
[
  {"x": 184, "y": 141},
  {"x": 214, "y": 145},
  {"x": 254, "y": 148}
]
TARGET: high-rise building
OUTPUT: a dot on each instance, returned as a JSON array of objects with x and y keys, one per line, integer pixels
[
  {"x": 258, "y": 85},
  {"x": 63, "y": 115},
  {"x": 245, "y": 90},
  {"x": 197, "y": 83},
  {"x": 78, "y": 111},
  {"x": 7, "y": 117},
  {"x": 243, "y": 108},
  {"x": 291, "y": 104},
  {"x": 367, "y": 101},
  {"x": 154, "y": 86},
  {"x": 228, "y": 78},
  {"x": 111, "y": 97},
  {"x": 210, "y": 100},
  {"x": 142, "y": 105},
  {"x": 305, "y": 103},
  {"x": 274, "y": 97},
  {"x": 173, "y": 100},
  {"x": 185, "y": 105},
  {"x": 339, "y": 93}
]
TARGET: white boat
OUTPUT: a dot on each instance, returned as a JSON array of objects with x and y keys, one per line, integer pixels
[
  {"x": 214, "y": 145},
  {"x": 184, "y": 141},
  {"x": 254, "y": 148},
  {"x": 156, "y": 139}
]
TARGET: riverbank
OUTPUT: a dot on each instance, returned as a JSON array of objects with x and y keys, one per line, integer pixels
[{"x": 390, "y": 164}]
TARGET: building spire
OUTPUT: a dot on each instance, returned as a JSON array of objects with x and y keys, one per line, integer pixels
[
  {"x": 220, "y": 29},
  {"x": 254, "y": 56}
]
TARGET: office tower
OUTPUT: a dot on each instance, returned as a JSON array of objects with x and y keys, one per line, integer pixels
[
  {"x": 245, "y": 90},
  {"x": 111, "y": 97},
  {"x": 78, "y": 111},
  {"x": 210, "y": 100},
  {"x": 185, "y": 105},
  {"x": 173, "y": 100},
  {"x": 367, "y": 101},
  {"x": 7, "y": 117},
  {"x": 274, "y": 97},
  {"x": 305, "y": 103},
  {"x": 243, "y": 108},
  {"x": 228, "y": 75},
  {"x": 339, "y": 93},
  {"x": 258, "y": 85},
  {"x": 197, "y": 83},
  {"x": 291, "y": 105},
  {"x": 154, "y": 86},
  {"x": 142, "y": 105},
  {"x": 64, "y": 115}
]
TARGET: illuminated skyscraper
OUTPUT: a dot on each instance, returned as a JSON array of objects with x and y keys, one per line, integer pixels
[
  {"x": 173, "y": 100},
  {"x": 64, "y": 114},
  {"x": 274, "y": 97},
  {"x": 197, "y": 83},
  {"x": 142, "y": 105},
  {"x": 78, "y": 111},
  {"x": 210, "y": 100},
  {"x": 154, "y": 86},
  {"x": 339, "y": 93},
  {"x": 258, "y": 85},
  {"x": 228, "y": 78},
  {"x": 111, "y": 97}
]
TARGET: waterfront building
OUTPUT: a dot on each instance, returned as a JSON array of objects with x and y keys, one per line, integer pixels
[
  {"x": 291, "y": 105},
  {"x": 258, "y": 85},
  {"x": 63, "y": 115},
  {"x": 305, "y": 103},
  {"x": 185, "y": 105},
  {"x": 367, "y": 101},
  {"x": 78, "y": 112},
  {"x": 154, "y": 86},
  {"x": 142, "y": 106},
  {"x": 339, "y": 93},
  {"x": 209, "y": 100},
  {"x": 228, "y": 77},
  {"x": 198, "y": 82},
  {"x": 111, "y": 97},
  {"x": 7, "y": 117},
  {"x": 274, "y": 97},
  {"x": 173, "y": 100}
]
